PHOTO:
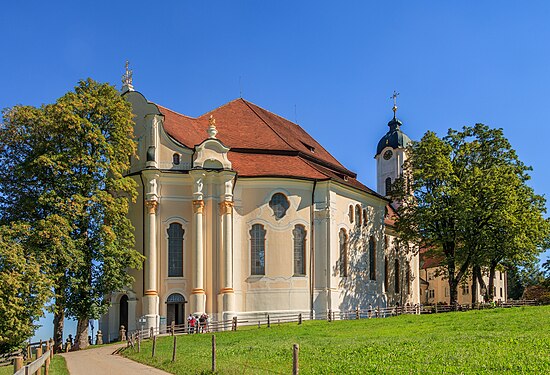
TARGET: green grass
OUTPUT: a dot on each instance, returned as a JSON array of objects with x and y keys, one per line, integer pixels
[
  {"x": 58, "y": 366},
  {"x": 6, "y": 370},
  {"x": 513, "y": 340}
]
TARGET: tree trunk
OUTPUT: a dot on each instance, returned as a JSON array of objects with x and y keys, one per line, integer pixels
[
  {"x": 481, "y": 282},
  {"x": 492, "y": 271},
  {"x": 58, "y": 324},
  {"x": 81, "y": 339},
  {"x": 474, "y": 287}
]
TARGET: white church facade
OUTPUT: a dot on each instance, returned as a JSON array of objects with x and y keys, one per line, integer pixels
[{"x": 242, "y": 213}]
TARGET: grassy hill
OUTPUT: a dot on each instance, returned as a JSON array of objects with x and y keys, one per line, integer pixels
[{"x": 513, "y": 340}]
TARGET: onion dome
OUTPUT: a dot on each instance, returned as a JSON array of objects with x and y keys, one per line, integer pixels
[{"x": 394, "y": 138}]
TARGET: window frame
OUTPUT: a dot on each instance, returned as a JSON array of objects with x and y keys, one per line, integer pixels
[
  {"x": 252, "y": 245},
  {"x": 302, "y": 228},
  {"x": 168, "y": 251},
  {"x": 343, "y": 248}
]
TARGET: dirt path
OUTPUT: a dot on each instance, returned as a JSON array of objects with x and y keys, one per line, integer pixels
[{"x": 102, "y": 361}]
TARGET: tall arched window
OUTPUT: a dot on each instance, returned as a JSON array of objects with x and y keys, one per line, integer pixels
[
  {"x": 386, "y": 271},
  {"x": 175, "y": 250},
  {"x": 388, "y": 186},
  {"x": 299, "y": 233},
  {"x": 372, "y": 258},
  {"x": 257, "y": 249},
  {"x": 365, "y": 221},
  {"x": 350, "y": 214},
  {"x": 358, "y": 215},
  {"x": 396, "y": 275},
  {"x": 343, "y": 252}
]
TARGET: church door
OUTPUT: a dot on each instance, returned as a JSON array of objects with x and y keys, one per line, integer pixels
[
  {"x": 123, "y": 315},
  {"x": 175, "y": 309}
]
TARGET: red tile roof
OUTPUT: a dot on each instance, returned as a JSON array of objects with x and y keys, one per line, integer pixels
[{"x": 262, "y": 143}]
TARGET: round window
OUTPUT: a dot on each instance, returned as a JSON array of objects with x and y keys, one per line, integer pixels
[{"x": 279, "y": 204}]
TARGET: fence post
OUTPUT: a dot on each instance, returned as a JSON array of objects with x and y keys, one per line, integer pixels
[
  {"x": 151, "y": 332},
  {"x": 235, "y": 322},
  {"x": 300, "y": 318},
  {"x": 378, "y": 311},
  {"x": 38, "y": 355},
  {"x": 330, "y": 315},
  {"x": 174, "y": 350},
  {"x": 47, "y": 368},
  {"x": 295, "y": 366},
  {"x": 154, "y": 346},
  {"x": 357, "y": 315},
  {"x": 268, "y": 322},
  {"x": 17, "y": 364},
  {"x": 139, "y": 341},
  {"x": 213, "y": 353},
  {"x": 436, "y": 307},
  {"x": 173, "y": 327}
]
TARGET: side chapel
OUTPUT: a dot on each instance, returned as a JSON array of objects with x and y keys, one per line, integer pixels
[{"x": 242, "y": 213}]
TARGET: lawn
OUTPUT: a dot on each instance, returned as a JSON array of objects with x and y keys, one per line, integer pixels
[{"x": 515, "y": 340}]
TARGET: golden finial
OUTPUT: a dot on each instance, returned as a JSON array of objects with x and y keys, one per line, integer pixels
[{"x": 212, "y": 131}]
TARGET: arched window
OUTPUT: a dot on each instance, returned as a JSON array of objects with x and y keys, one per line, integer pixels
[
  {"x": 350, "y": 214},
  {"x": 365, "y": 220},
  {"x": 386, "y": 271},
  {"x": 343, "y": 252},
  {"x": 257, "y": 249},
  {"x": 396, "y": 275},
  {"x": 175, "y": 250},
  {"x": 176, "y": 159},
  {"x": 372, "y": 258},
  {"x": 279, "y": 204},
  {"x": 358, "y": 215},
  {"x": 299, "y": 233},
  {"x": 388, "y": 186}
]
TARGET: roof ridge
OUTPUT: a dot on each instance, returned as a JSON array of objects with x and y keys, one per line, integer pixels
[
  {"x": 221, "y": 106},
  {"x": 269, "y": 126}
]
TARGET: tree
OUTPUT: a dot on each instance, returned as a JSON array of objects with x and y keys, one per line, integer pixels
[
  {"x": 24, "y": 288},
  {"x": 470, "y": 204},
  {"x": 69, "y": 160}
]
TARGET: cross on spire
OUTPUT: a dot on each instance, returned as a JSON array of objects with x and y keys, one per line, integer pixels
[
  {"x": 127, "y": 78},
  {"x": 394, "y": 97}
]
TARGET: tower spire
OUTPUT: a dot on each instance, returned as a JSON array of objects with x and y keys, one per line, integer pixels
[
  {"x": 127, "y": 79},
  {"x": 394, "y": 97}
]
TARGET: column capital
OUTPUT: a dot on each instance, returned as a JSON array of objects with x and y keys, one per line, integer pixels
[
  {"x": 151, "y": 206},
  {"x": 198, "y": 206},
  {"x": 226, "y": 207}
]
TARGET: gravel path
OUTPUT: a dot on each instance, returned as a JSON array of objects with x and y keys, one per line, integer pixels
[{"x": 102, "y": 361}]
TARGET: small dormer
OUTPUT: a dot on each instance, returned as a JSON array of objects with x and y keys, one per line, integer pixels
[{"x": 211, "y": 153}]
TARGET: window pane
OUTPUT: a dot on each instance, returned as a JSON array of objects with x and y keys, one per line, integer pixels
[
  {"x": 299, "y": 233},
  {"x": 257, "y": 250},
  {"x": 175, "y": 250},
  {"x": 372, "y": 258}
]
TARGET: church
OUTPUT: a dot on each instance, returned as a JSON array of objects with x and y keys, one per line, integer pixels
[{"x": 242, "y": 213}]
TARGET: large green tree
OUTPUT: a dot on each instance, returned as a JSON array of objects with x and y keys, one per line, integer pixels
[
  {"x": 465, "y": 197},
  {"x": 68, "y": 159}
]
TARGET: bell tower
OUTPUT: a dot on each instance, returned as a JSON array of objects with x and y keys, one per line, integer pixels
[{"x": 390, "y": 153}]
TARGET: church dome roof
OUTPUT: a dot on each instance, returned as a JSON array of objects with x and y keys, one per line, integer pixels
[{"x": 394, "y": 138}]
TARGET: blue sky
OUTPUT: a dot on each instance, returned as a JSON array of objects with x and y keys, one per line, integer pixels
[{"x": 331, "y": 66}]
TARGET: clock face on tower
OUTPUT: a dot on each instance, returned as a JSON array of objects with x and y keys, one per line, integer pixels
[{"x": 388, "y": 154}]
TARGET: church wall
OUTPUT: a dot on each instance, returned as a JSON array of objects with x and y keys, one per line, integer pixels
[
  {"x": 356, "y": 290},
  {"x": 279, "y": 289}
]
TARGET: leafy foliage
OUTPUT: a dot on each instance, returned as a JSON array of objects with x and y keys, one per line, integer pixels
[
  {"x": 470, "y": 203},
  {"x": 63, "y": 165},
  {"x": 24, "y": 287}
]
